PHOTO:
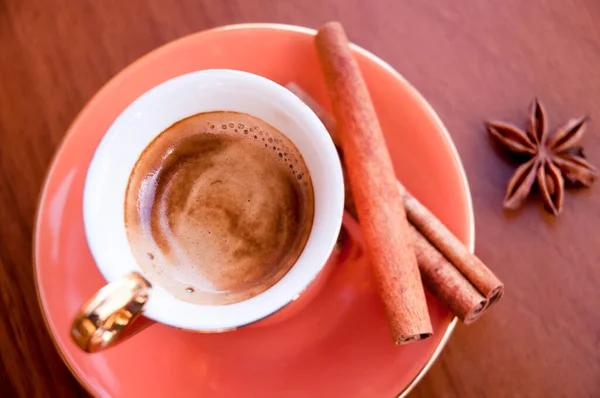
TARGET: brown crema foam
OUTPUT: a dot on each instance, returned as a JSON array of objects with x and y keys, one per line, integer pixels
[{"x": 219, "y": 207}]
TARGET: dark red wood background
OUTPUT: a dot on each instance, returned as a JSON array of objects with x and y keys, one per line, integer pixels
[{"x": 471, "y": 59}]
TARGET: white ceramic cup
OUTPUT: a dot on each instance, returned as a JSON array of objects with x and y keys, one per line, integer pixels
[{"x": 106, "y": 184}]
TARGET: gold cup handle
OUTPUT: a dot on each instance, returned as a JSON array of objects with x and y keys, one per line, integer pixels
[{"x": 109, "y": 317}]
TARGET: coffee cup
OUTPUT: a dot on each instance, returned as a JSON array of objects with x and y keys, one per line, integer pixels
[{"x": 112, "y": 314}]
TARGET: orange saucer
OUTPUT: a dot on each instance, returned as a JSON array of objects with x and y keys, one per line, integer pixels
[{"x": 338, "y": 345}]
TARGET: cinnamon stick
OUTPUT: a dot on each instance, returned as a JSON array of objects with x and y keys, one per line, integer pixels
[
  {"x": 374, "y": 187},
  {"x": 468, "y": 264},
  {"x": 442, "y": 279},
  {"x": 446, "y": 282}
]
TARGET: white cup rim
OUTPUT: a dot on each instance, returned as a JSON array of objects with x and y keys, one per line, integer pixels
[{"x": 150, "y": 114}]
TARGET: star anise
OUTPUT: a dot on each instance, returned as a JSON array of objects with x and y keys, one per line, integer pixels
[{"x": 549, "y": 160}]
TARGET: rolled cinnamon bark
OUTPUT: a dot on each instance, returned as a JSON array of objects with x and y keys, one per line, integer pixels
[
  {"x": 374, "y": 187},
  {"x": 441, "y": 277},
  {"x": 446, "y": 282},
  {"x": 467, "y": 263}
]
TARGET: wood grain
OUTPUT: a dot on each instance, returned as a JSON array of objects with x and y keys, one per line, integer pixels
[{"x": 471, "y": 60}]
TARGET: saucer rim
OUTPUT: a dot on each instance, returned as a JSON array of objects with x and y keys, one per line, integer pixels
[{"x": 447, "y": 139}]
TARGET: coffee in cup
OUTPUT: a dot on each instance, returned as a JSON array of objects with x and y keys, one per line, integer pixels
[{"x": 218, "y": 207}]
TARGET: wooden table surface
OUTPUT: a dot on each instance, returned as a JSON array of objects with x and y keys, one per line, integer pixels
[{"x": 472, "y": 61}]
